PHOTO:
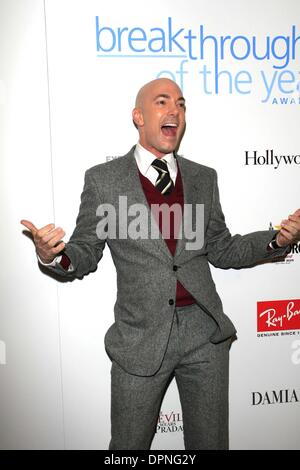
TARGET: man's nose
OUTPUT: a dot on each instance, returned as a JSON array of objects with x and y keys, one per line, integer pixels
[{"x": 173, "y": 109}]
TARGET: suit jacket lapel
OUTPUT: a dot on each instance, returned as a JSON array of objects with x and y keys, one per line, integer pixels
[
  {"x": 131, "y": 186},
  {"x": 192, "y": 196}
]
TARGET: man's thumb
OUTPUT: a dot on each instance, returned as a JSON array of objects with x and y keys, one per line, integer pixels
[{"x": 30, "y": 226}]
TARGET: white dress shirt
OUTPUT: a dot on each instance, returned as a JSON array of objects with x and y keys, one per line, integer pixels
[{"x": 144, "y": 158}]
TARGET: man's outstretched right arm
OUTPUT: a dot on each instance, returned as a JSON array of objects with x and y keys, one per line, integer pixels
[{"x": 84, "y": 249}]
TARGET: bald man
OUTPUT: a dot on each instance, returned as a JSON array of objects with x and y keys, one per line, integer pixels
[{"x": 169, "y": 320}]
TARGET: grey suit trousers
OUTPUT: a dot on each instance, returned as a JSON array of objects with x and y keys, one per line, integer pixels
[{"x": 200, "y": 369}]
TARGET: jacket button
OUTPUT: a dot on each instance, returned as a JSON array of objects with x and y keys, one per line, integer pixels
[
  {"x": 175, "y": 267},
  {"x": 171, "y": 302}
]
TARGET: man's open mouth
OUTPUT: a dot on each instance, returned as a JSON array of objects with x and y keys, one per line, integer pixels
[{"x": 169, "y": 129}]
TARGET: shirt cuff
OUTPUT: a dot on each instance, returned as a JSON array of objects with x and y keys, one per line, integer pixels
[
  {"x": 62, "y": 260},
  {"x": 273, "y": 245},
  {"x": 53, "y": 263}
]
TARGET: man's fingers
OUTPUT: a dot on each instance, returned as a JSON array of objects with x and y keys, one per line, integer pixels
[
  {"x": 288, "y": 231},
  {"x": 287, "y": 235},
  {"x": 292, "y": 225},
  {"x": 52, "y": 242},
  {"x": 58, "y": 248},
  {"x": 283, "y": 222},
  {"x": 297, "y": 213},
  {"x": 44, "y": 230},
  {"x": 295, "y": 219},
  {"x": 283, "y": 237},
  {"x": 52, "y": 237},
  {"x": 38, "y": 233},
  {"x": 29, "y": 225}
]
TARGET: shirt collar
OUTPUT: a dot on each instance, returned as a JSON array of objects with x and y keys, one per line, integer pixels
[{"x": 144, "y": 159}]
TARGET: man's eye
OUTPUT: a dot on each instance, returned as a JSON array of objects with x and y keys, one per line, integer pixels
[
  {"x": 182, "y": 105},
  {"x": 161, "y": 102}
]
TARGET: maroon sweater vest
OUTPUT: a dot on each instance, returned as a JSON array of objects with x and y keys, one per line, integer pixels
[{"x": 183, "y": 297}]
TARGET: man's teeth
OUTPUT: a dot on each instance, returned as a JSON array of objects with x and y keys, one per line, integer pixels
[{"x": 171, "y": 124}]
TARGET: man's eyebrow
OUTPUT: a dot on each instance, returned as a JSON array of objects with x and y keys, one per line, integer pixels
[{"x": 165, "y": 95}]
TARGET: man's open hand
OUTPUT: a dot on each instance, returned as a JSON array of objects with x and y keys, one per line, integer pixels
[
  {"x": 290, "y": 230},
  {"x": 47, "y": 240}
]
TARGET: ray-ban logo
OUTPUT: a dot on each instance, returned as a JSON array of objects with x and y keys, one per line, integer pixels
[{"x": 274, "y": 315}]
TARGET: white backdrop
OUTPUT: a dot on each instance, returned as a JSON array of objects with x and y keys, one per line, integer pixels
[{"x": 69, "y": 73}]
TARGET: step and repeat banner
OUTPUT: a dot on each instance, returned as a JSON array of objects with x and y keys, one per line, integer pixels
[{"x": 69, "y": 74}]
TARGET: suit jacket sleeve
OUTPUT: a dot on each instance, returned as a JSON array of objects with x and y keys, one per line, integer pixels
[
  {"x": 85, "y": 248},
  {"x": 227, "y": 251}
]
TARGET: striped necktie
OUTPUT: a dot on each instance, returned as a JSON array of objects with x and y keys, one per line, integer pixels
[{"x": 164, "y": 182}]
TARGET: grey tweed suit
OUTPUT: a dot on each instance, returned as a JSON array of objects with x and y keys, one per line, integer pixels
[
  {"x": 146, "y": 281},
  {"x": 145, "y": 276}
]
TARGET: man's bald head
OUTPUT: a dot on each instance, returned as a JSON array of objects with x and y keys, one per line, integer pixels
[
  {"x": 159, "y": 116},
  {"x": 149, "y": 87}
]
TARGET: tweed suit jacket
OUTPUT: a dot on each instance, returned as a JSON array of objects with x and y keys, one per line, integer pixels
[{"x": 146, "y": 280}]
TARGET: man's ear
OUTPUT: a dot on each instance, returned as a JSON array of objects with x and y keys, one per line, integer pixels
[{"x": 137, "y": 117}]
